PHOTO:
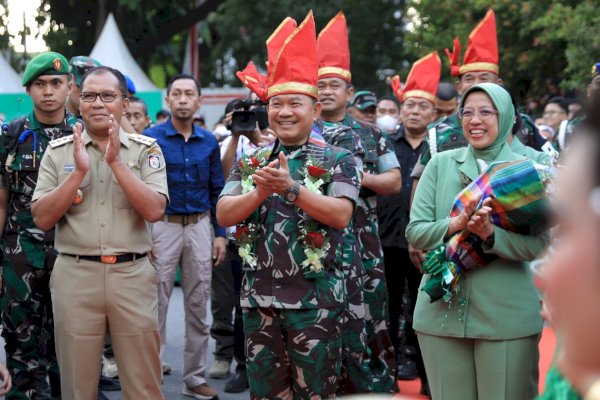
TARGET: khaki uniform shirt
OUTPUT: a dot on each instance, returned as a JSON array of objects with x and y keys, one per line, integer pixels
[{"x": 104, "y": 223}]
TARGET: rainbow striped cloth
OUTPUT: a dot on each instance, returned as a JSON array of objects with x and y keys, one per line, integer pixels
[{"x": 518, "y": 190}]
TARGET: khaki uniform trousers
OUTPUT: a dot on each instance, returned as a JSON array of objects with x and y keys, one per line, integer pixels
[
  {"x": 88, "y": 297},
  {"x": 190, "y": 246},
  {"x": 479, "y": 369}
]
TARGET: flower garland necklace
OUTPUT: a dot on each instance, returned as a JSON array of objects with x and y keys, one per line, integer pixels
[{"x": 312, "y": 235}]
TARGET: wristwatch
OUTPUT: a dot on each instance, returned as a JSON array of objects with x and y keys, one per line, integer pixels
[
  {"x": 488, "y": 244},
  {"x": 291, "y": 194}
]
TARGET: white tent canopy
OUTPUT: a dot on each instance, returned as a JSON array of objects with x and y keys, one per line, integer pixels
[
  {"x": 111, "y": 50},
  {"x": 11, "y": 81}
]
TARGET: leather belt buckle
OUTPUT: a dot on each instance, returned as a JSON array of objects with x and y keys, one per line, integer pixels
[{"x": 108, "y": 259}]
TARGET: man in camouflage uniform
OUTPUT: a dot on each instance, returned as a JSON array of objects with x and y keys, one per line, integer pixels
[
  {"x": 480, "y": 65},
  {"x": 78, "y": 66},
  {"x": 366, "y": 331},
  {"x": 28, "y": 252},
  {"x": 292, "y": 301}
]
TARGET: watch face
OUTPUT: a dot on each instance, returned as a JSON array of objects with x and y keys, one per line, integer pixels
[{"x": 291, "y": 197}]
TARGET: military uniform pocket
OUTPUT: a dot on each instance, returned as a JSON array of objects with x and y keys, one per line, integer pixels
[{"x": 84, "y": 187}]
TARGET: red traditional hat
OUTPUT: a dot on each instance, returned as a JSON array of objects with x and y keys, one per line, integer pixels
[
  {"x": 254, "y": 81},
  {"x": 294, "y": 69},
  {"x": 422, "y": 81},
  {"x": 334, "y": 50},
  {"x": 276, "y": 40},
  {"x": 482, "y": 50}
]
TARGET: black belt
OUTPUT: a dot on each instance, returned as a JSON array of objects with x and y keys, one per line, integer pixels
[{"x": 121, "y": 258}]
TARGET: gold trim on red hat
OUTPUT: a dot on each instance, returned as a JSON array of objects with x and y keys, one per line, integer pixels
[
  {"x": 419, "y": 93},
  {"x": 293, "y": 87},
  {"x": 281, "y": 25},
  {"x": 479, "y": 66},
  {"x": 343, "y": 73}
]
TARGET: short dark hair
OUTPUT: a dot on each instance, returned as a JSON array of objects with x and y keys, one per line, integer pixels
[
  {"x": 446, "y": 91},
  {"x": 390, "y": 98},
  {"x": 561, "y": 102},
  {"x": 135, "y": 99},
  {"x": 163, "y": 113},
  {"x": 107, "y": 70},
  {"x": 183, "y": 76}
]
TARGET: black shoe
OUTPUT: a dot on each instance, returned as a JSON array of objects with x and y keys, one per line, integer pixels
[
  {"x": 425, "y": 390},
  {"x": 101, "y": 396},
  {"x": 407, "y": 371},
  {"x": 109, "y": 384},
  {"x": 238, "y": 383}
]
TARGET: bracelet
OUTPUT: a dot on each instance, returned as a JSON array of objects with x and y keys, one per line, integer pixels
[{"x": 593, "y": 392}]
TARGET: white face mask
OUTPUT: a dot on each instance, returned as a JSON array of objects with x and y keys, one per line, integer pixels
[{"x": 387, "y": 123}]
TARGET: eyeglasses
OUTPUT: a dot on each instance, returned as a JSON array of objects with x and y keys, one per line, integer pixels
[
  {"x": 106, "y": 97},
  {"x": 484, "y": 113}
]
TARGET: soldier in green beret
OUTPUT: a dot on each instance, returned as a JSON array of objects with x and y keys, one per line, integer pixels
[{"x": 29, "y": 252}]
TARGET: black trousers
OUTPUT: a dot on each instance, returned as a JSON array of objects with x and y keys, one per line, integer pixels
[{"x": 399, "y": 271}]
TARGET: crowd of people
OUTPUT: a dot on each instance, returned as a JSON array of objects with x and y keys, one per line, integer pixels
[{"x": 344, "y": 240}]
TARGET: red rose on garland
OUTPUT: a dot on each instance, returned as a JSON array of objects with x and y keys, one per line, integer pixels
[
  {"x": 315, "y": 239},
  {"x": 254, "y": 162},
  {"x": 241, "y": 231},
  {"x": 315, "y": 171}
]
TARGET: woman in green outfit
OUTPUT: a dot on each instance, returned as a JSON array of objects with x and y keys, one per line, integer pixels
[{"x": 483, "y": 344}]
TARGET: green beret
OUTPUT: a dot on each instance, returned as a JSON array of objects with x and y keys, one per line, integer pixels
[
  {"x": 79, "y": 65},
  {"x": 48, "y": 63}
]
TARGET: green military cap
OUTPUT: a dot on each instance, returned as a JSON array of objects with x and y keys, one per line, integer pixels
[
  {"x": 79, "y": 65},
  {"x": 48, "y": 63}
]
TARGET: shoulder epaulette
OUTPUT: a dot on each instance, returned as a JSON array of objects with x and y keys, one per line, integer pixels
[
  {"x": 60, "y": 141},
  {"x": 143, "y": 139}
]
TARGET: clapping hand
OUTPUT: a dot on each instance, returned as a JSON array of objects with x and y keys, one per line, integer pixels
[
  {"x": 274, "y": 180},
  {"x": 460, "y": 222},
  {"x": 114, "y": 143},
  {"x": 80, "y": 154},
  {"x": 480, "y": 222}
]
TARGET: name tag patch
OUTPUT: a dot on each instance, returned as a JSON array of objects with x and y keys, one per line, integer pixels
[{"x": 69, "y": 167}]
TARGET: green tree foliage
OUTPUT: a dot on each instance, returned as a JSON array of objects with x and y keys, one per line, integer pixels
[
  {"x": 237, "y": 32},
  {"x": 3, "y": 22},
  {"x": 152, "y": 29},
  {"x": 539, "y": 41}
]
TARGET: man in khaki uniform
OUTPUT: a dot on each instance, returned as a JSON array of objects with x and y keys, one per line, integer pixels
[{"x": 101, "y": 187}]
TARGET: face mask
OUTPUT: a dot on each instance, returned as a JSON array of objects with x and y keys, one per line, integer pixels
[{"x": 387, "y": 123}]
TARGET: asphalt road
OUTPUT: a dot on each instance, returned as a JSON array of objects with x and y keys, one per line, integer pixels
[{"x": 172, "y": 384}]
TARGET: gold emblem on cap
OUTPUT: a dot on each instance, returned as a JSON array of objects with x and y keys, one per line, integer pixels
[{"x": 57, "y": 64}]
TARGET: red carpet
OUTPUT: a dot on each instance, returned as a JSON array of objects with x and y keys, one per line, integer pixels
[{"x": 411, "y": 389}]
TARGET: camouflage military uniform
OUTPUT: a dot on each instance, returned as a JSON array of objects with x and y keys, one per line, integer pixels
[
  {"x": 28, "y": 260},
  {"x": 379, "y": 158},
  {"x": 292, "y": 322},
  {"x": 356, "y": 375}
]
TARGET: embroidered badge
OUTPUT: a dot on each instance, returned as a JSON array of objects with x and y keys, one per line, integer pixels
[
  {"x": 154, "y": 161},
  {"x": 57, "y": 64},
  {"x": 69, "y": 167}
]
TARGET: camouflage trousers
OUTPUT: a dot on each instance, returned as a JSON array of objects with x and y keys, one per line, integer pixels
[
  {"x": 356, "y": 374},
  {"x": 28, "y": 331},
  {"x": 383, "y": 357},
  {"x": 292, "y": 354}
]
